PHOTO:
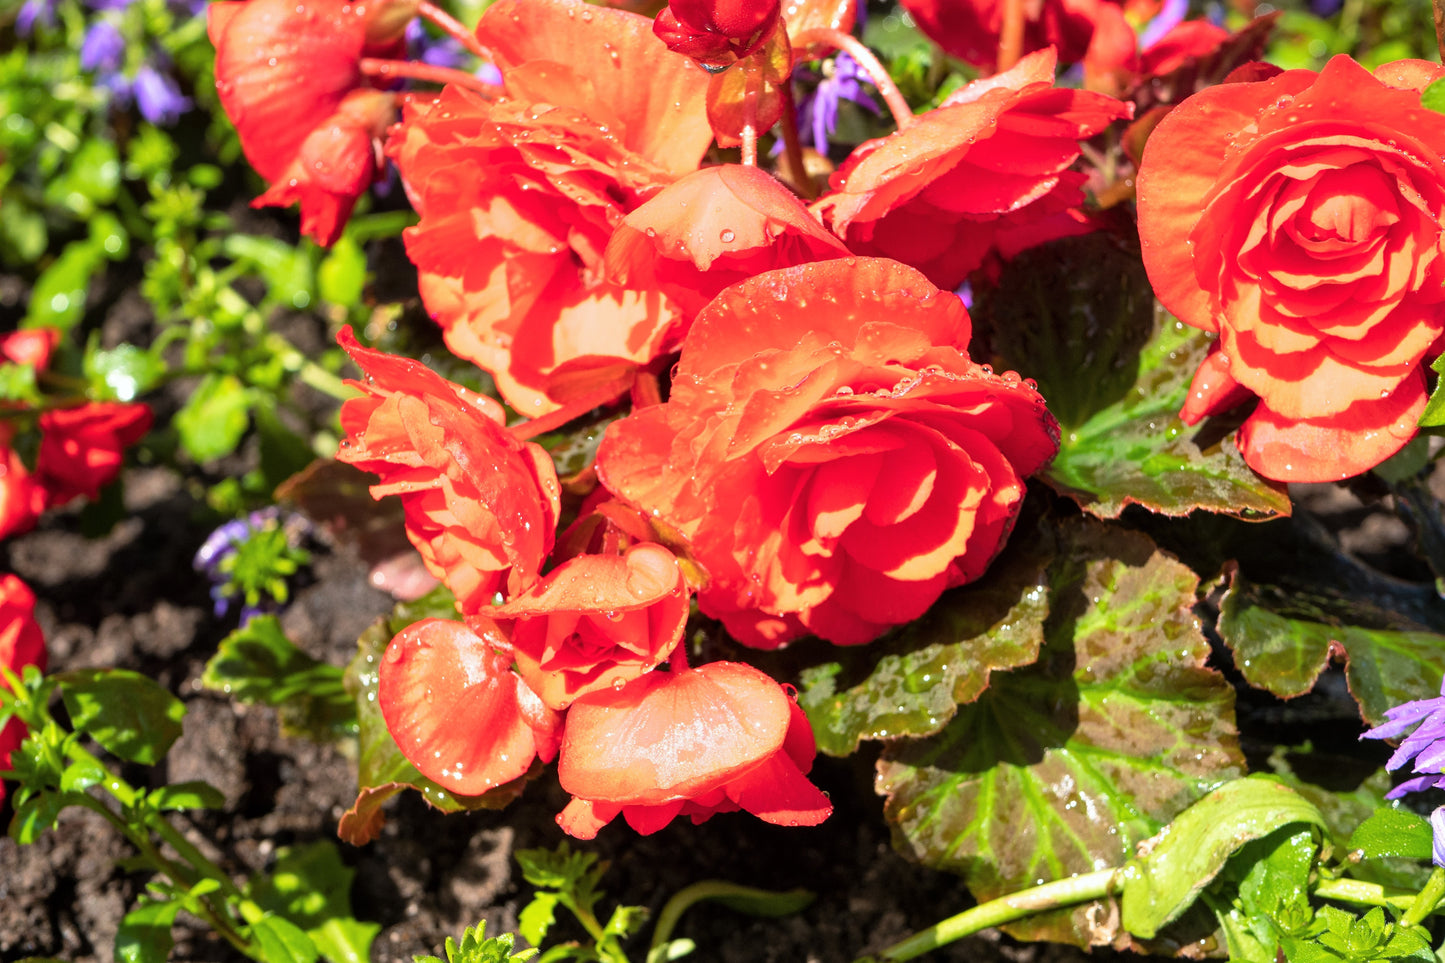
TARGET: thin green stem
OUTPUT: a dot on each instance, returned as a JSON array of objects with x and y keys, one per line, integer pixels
[
  {"x": 1366, "y": 894},
  {"x": 1005, "y": 909},
  {"x": 1427, "y": 900},
  {"x": 683, "y": 899}
]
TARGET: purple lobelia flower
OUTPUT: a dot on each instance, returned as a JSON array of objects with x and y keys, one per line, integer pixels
[
  {"x": 159, "y": 96},
  {"x": 33, "y": 12},
  {"x": 1425, "y": 745},
  {"x": 818, "y": 111},
  {"x": 103, "y": 48},
  {"x": 248, "y": 559}
]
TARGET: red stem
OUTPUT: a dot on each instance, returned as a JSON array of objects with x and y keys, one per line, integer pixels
[
  {"x": 392, "y": 69},
  {"x": 454, "y": 29},
  {"x": 792, "y": 149},
  {"x": 892, "y": 96}
]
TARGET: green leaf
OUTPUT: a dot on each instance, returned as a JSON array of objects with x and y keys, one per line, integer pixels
[
  {"x": 124, "y": 372},
  {"x": 382, "y": 770},
  {"x": 311, "y": 887},
  {"x": 258, "y": 664},
  {"x": 477, "y": 947},
  {"x": 36, "y": 815},
  {"x": 625, "y": 920},
  {"x": 1179, "y": 862},
  {"x": 1434, "y": 414},
  {"x": 282, "y": 941},
  {"x": 187, "y": 795},
  {"x": 144, "y": 935},
  {"x": 1283, "y": 653},
  {"x": 1392, "y": 832},
  {"x": 58, "y": 298},
  {"x": 537, "y": 917},
  {"x": 130, "y": 715},
  {"x": 1138, "y": 451},
  {"x": 1063, "y": 766},
  {"x": 214, "y": 418},
  {"x": 341, "y": 277},
  {"x": 911, "y": 682},
  {"x": 81, "y": 774},
  {"x": 1433, "y": 97}
]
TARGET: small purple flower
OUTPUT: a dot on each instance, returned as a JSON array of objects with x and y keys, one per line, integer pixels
[
  {"x": 842, "y": 80},
  {"x": 1437, "y": 826},
  {"x": 33, "y": 11},
  {"x": 103, "y": 49},
  {"x": 159, "y": 96},
  {"x": 1426, "y": 745}
]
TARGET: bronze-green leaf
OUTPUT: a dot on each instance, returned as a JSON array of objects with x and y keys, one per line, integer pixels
[{"x": 1063, "y": 766}]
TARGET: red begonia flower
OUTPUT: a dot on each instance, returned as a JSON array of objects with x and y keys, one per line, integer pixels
[
  {"x": 284, "y": 73},
  {"x": 335, "y": 164},
  {"x": 21, "y": 644},
  {"x": 995, "y": 154},
  {"x": 518, "y": 195},
  {"x": 717, "y": 738},
  {"x": 596, "y": 621},
  {"x": 969, "y": 29},
  {"x": 1300, "y": 217},
  {"x": 81, "y": 449},
  {"x": 716, "y": 32},
  {"x": 32, "y": 346},
  {"x": 481, "y": 507},
  {"x": 866, "y": 464},
  {"x": 456, "y": 709},
  {"x": 713, "y": 228},
  {"x": 22, "y": 499}
]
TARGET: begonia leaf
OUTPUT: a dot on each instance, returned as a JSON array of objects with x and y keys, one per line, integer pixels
[
  {"x": 1115, "y": 371},
  {"x": 337, "y": 496},
  {"x": 1434, "y": 414},
  {"x": 911, "y": 682},
  {"x": 382, "y": 770},
  {"x": 1063, "y": 766},
  {"x": 130, "y": 715},
  {"x": 1283, "y": 639},
  {"x": 1175, "y": 865},
  {"x": 257, "y": 663}
]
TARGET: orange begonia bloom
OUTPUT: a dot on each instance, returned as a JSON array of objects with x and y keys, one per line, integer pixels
[
  {"x": 717, "y": 738},
  {"x": 456, "y": 709},
  {"x": 481, "y": 506},
  {"x": 1300, "y": 217},
  {"x": 830, "y": 453},
  {"x": 713, "y": 228},
  {"x": 996, "y": 154},
  {"x": 519, "y": 195},
  {"x": 289, "y": 76},
  {"x": 596, "y": 621}
]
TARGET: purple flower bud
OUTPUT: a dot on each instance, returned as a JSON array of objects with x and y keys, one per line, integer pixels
[
  {"x": 159, "y": 97},
  {"x": 103, "y": 49}
]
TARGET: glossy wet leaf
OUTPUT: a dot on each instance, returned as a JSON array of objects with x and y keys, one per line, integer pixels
[
  {"x": 127, "y": 713},
  {"x": 911, "y": 682},
  {"x": 1283, "y": 640},
  {"x": 1136, "y": 451},
  {"x": 382, "y": 770},
  {"x": 187, "y": 795},
  {"x": 258, "y": 664},
  {"x": 1174, "y": 866},
  {"x": 58, "y": 298},
  {"x": 1392, "y": 832},
  {"x": 1063, "y": 766},
  {"x": 282, "y": 941}
]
